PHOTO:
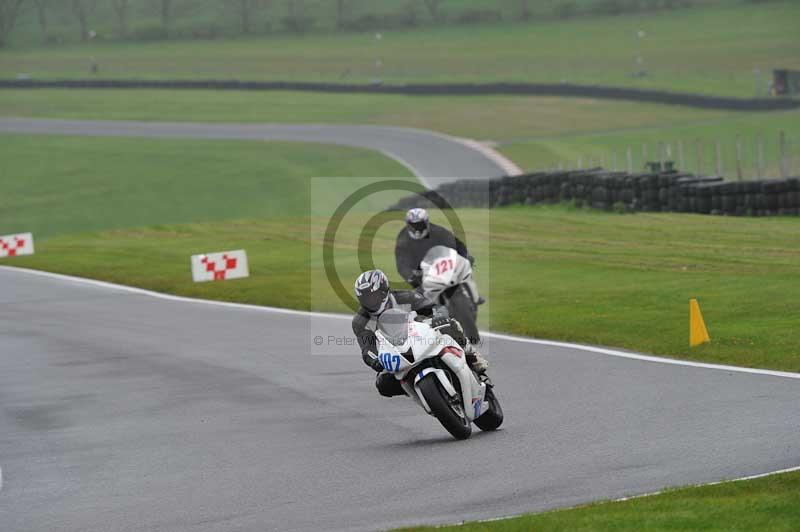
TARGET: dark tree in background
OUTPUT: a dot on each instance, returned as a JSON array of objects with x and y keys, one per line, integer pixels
[
  {"x": 342, "y": 13},
  {"x": 121, "y": 10},
  {"x": 247, "y": 13},
  {"x": 298, "y": 20},
  {"x": 525, "y": 9},
  {"x": 9, "y": 10},
  {"x": 297, "y": 8},
  {"x": 434, "y": 8},
  {"x": 166, "y": 15},
  {"x": 41, "y": 15},
  {"x": 82, "y": 9}
]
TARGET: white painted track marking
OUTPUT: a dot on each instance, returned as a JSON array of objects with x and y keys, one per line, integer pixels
[
  {"x": 499, "y": 336},
  {"x": 495, "y": 156},
  {"x": 410, "y": 167},
  {"x": 646, "y": 358}
]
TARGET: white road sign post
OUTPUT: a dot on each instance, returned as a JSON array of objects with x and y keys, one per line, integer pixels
[
  {"x": 16, "y": 245},
  {"x": 220, "y": 266}
]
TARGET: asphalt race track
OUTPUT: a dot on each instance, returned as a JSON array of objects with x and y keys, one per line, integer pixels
[
  {"x": 433, "y": 157},
  {"x": 121, "y": 410}
]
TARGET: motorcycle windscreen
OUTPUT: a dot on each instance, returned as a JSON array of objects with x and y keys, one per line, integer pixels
[
  {"x": 435, "y": 253},
  {"x": 439, "y": 266},
  {"x": 393, "y": 325}
]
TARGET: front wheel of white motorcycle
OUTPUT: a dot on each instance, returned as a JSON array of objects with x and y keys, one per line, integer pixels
[
  {"x": 492, "y": 418},
  {"x": 448, "y": 410}
]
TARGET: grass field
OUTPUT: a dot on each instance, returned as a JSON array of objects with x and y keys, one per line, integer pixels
[
  {"x": 710, "y": 49},
  {"x": 535, "y": 132},
  {"x": 552, "y": 272},
  {"x": 601, "y": 147},
  {"x": 57, "y": 185},
  {"x": 770, "y": 504}
]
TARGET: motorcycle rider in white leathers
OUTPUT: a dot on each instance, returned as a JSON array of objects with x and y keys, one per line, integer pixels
[{"x": 375, "y": 296}]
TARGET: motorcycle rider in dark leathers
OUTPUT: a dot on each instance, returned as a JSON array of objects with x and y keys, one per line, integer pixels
[
  {"x": 416, "y": 239},
  {"x": 375, "y": 296}
]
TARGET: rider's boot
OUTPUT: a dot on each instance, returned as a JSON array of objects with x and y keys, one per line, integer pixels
[{"x": 475, "y": 359}]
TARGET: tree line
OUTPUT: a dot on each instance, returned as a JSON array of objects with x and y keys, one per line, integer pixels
[{"x": 122, "y": 19}]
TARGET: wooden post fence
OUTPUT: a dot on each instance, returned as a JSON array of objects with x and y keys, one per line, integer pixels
[
  {"x": 760, "y": 156},
  {"x": 782, "y": 154},
  {"x": 738, "y": 157},
  {"x": 698, "y": 154}
]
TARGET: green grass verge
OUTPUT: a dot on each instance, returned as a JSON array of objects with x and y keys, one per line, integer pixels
[
  {"x": 769, "y": 504},
  {"x": 552, "y": 272},
  {"x": 710, "y": 50},
  {"x": 56, "y": 185}
]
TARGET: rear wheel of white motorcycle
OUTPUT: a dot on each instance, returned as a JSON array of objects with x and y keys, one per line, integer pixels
[
  {"x": 448, "y": 410},
  {"x": 492, "y": 418}
]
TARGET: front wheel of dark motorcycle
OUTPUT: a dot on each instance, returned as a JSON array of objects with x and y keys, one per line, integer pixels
[
  {"x": 447, "y": 410},
  {"x": 492, "y": 418}
]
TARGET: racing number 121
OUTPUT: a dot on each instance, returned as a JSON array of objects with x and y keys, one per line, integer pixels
[{"x": 444, "y": 265}]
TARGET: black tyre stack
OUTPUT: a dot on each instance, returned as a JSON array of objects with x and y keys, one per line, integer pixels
[{"x": 668, "y": 191}]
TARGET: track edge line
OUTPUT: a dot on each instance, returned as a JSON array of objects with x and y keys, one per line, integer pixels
[
  {"x": 310, "y": 314},
  {"x": 631, "y": 497}
]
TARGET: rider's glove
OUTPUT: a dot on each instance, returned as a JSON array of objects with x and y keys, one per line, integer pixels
[
  {"x": 439, "y": 321},
  {"x": 415, "y": 279},
  {"x": 440, "y": 311},
  {"x": 371, "y": 360}
]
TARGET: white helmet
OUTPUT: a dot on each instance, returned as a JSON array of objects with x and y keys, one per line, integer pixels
[{"x": 418, "y": 224}]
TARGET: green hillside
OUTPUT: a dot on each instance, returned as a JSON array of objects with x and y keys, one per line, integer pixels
[{"x": 710, "y": 49}]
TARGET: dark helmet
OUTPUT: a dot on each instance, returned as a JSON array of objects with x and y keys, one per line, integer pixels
[
  {"x": 417, "y": 223},
  {"x": 372, "y": 290}
]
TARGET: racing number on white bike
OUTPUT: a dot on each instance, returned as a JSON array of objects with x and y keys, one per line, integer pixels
[
  {"x": 443, "y": 265},
  {"x": 390, "y": 362}
]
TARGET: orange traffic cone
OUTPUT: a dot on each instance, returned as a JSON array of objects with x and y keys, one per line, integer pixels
[{"x": 698, "y": 334}]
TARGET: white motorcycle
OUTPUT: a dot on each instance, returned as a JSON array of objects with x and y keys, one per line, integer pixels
[
  {"x": 447, "y": 280},
  {"x": 433, "y": 371}
]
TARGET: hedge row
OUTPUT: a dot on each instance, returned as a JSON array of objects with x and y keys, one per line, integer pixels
[
  {"x": 428, "y": 89},
  {"x": 598, "y": 188}
]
